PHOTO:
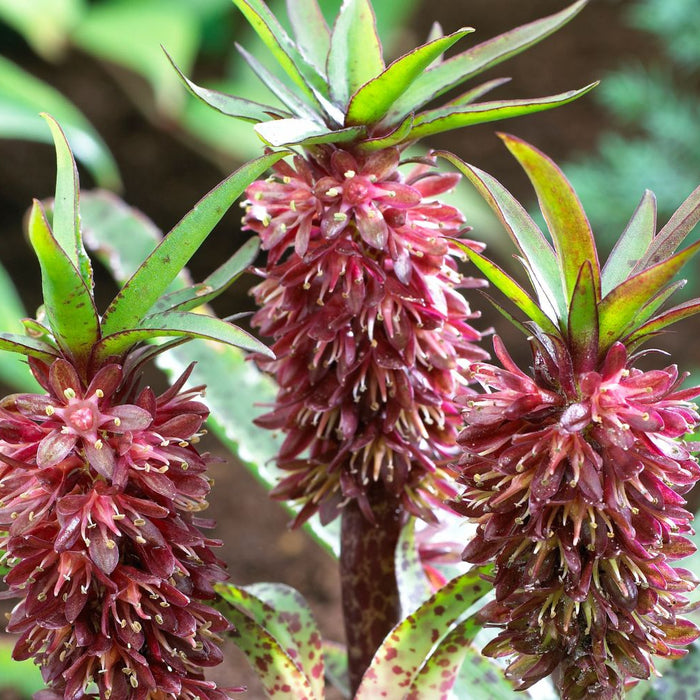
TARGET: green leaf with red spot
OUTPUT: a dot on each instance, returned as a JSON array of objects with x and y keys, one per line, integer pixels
[
  {"x": 457, "y": 69},
  {"x": 407, "y": 648},
  {"x": 562, "y": 210},
  {"x": 24, "y": 345},
  {"x": 355, "y": 55},
  {"x": 335, "y": 659},
  {"x": 69, "y": 305},
  {"x": 583, "y": 321},
  {"x": 451, "y": 117},
  {"x": 279, "y": 636},
  {"x": 375, "y": 98},
  {"x": 480, "y": 678},
  {"x": 632, "y": 244},
  {"x": 414, "y": 587},
  {"x": 619, "y": 309},
  {"x": 162, "y": 266}
]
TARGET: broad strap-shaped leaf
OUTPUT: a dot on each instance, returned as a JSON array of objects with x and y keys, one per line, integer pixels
[
  {"x": 447, "y": 118},
  {"x": 457, "y": 69},
  {"x": 174, "y": 323},
  {"x": 161, "y": 267},
  {"x": 413, "y": 585},
  {"x": 562, "y": 210},
  {"x": 374, "y": 99},
  {"x": 632, "y": 244},
  {"x": 311, "y": 31},
  {"x": 583, "y": 321},
  {"x": 335, "y": 659},
  {"x": 230, "y": 105},
  {"x": 279, "y": 636},
  {"x": 69, "y": 305},
  {"x": 508, "y": 286},
  {"x": 410, "y": 644},
  {"x": 66, "y": 216},
  {"x": 303, "y": 132},
  {"x": 674, "y": 232},
  {"x": 199, "y": 294},
  {"x": 355, "y": 56},
  {"x": 665, "y": 319},
  {"x": 279, "y": 43},
  {"x": 619, "y": 309},
  {"x": 480, "y": 678},
  {"x": 526, "y": 235},
  {"x": 31, "y": 347}
]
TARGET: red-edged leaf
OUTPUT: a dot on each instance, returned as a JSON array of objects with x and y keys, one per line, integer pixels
[
  {"x": 583, "y": 321},
  {"x": 665, "y": 319},
  {"x": 562, "y": 210}
]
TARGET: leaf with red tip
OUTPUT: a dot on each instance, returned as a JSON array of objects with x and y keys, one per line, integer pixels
[
  {"x": 583, "y": 321},
  {"x": 632, "y": 244},
  {"x": 375, "y": 98},
  {"x": 279, "y": 636},
  {"x": 355, "y": 55},
  {"x": 398, "y": 661},
  {"x": 566, "y": 220},
  {"x": 447, "y": 118},
  {"x": 619, "y": 309}
]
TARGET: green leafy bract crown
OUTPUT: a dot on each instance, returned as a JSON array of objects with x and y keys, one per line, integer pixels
[
  {"x": 344, "y": 93},
  {"x": 576, "y": 300},
  {"x": 145, "y": 308}
]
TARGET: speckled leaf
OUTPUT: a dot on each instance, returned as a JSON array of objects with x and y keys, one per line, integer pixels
[
  {"x": 632, "y": 244},
  {"x": 562, "y": 210},
  {"x": 454, "y": 117},
  {"x": 69, "y": 305},
  {"x": 457, "y": 69},
  {"x": 374, "y": 99},
  {"x": 287, "y": 132},
  {"x": 161, "y": 267},
  {"x": 480, "y": 678},
  {"x": 17, "y": 676},
  {"x": 335, "y": 659},
  {"x": 281, "y": 615},
  {"x": 311, "y": 31},
  {"x": 508, "y": 286},
  {"x": 403, "y": 653},
  {"x": 355, "y": 56},
  {"x": 583, "y": 321},
  {"x": 414, "y": 588},
  {"x": 24, "y": 345},
  {"x": 526, "y": 235}
]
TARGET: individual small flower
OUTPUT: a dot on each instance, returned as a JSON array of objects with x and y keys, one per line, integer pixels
[
  {"x": 371, "y": 334},
  {"x": 99, "y": 490}
]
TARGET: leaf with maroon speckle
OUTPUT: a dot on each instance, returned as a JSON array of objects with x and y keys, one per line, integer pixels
[
  {"x": 414, "y": 588},
  {"x": 286, "y": 647},
  {"x": 409, "y": 646},
  {"x": 335, "y": 659}
]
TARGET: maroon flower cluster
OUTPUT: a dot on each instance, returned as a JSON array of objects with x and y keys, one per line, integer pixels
[
  {"x": 98, "y": 496},
  {"x": 575, "y": 482},
  {"x": 371, "y": 337}
]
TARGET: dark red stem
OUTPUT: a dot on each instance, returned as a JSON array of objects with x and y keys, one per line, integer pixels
[{"x": 368, "y": 579}]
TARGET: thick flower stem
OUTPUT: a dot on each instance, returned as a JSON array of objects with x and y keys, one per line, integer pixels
[{"x": 368, "y": 578}]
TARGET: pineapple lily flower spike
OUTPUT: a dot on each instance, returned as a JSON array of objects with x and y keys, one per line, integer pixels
[
  {"x": 100, "y": 482},
  {"x": 575, "y": 472}
]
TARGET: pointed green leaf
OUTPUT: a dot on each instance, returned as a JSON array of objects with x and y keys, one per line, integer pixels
[
  {"x": 506, "y": 314},
  {"x": 374, "y": 99},
  {"x": 445, "y": 119},
  {"x": 528, "y": 238},
  {"x": 292, "y": 649},
  {"x": 619, "y": 308},
  {"x": 279, "y": 43},
  {"x": 562, "y": 210},
  {"x": 161, "y": 267},
  {"x": 174, "y": 323},
  {"x": 413, "y": 585},
  {"x": 311, "y": 31},
  {"x": 230, "y": 105},
  {"x": 665, "y": 319},
  {"x": 508, "y": 286},
  {"x": 406, "y": 648},
  {"x": 219, "y": 280},
  {"x": 335, "y": 659},
  {"x": 632, "y": 244},
  {"x": 355, "y": 56},
  {"x": 66, "y": 216},
  {"x": 70, "y": 308},
  {"x": 459, "y": 68},
  {"x": 583, "y": 321},
  {"x": 658, "y": 300},
  {"x": 674, "y": 233},
  {"x": 398, "y": 136},
  {"x": 24, "y": 345},
  {"x": 475, "y": 93},
  {"x": 288, "y": 132}
]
